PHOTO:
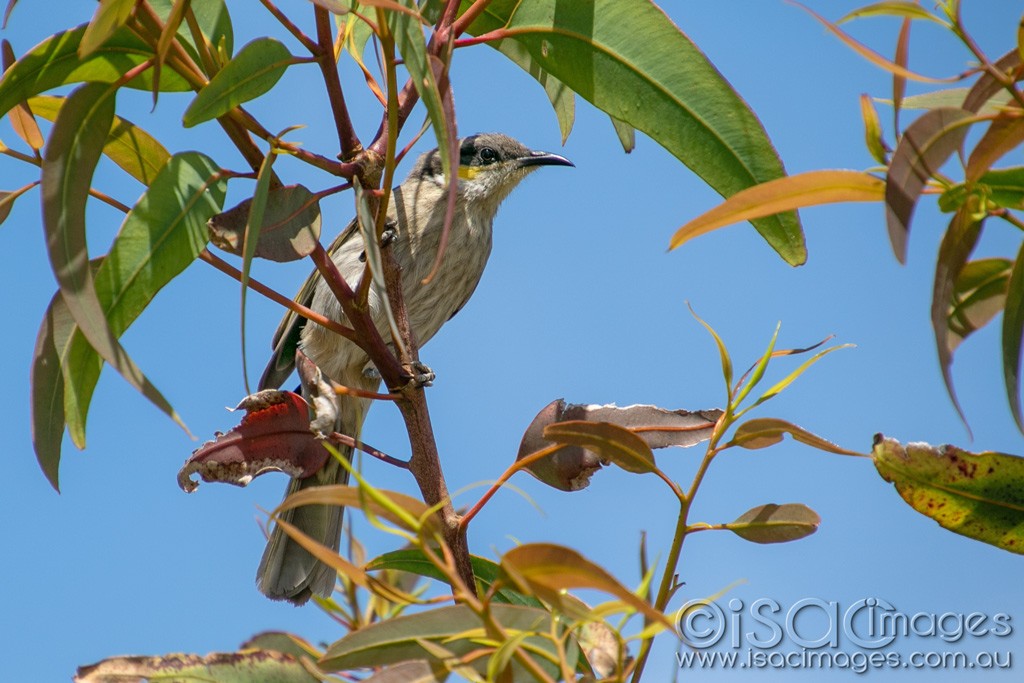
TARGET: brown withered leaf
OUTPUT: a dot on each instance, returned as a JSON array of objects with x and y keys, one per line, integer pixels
[
  {"x": 274, "y": 436},
  {"x": 570, "y": 468},
  {"x": 290, "y": 228}
]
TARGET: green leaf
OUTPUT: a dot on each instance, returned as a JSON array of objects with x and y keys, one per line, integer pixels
[
  {"x": 55, "y": 62},
  {"x": 956, "y": 247},
  {"x": 137, "y": 152},
  {"x": 252, "y": 237},
  {"x": 950, "y": 97},
  {"x": 1005, "y": 187},
  {"x": 609, "y": 441},
  {"x": 408, "y": 32},
  {"x": 626, "y": 134},
  {"x": 72, "y": 152},
  {"x": 252, "y": 72},
  {"x": 248, "y": 666},
  {"x": 214, "y": 23},
  {"x": 772, "y": 523},
  {"x": 979, "y": 294},
  {"x": 162, "y": 235},
  {"x": 1013, "y": 330},
  {"x": 873, "y": 131},
  {"x": 979, "y": 495},
  {"x": 457, "y": 628},
  {"x": 796, "y": 191},
  {"x": 110, "y": 15},
  {"x": 661, "y": 85},
  {"x": 415, "y": 562},
  {"x": 47, "y": 381},
  {"x": 763, "y": 432},
  {"x": 547, "y": 570}
]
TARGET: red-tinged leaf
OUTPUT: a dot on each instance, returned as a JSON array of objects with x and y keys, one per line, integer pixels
[
  {"x": 274, "y": 436},
  {"x": 134, "y": 150},
  {"x": 924, "y": 148},
  {"x": 7, "y": 199},
  {"x": 72, "y": 153},
  {"x": 110, "y": 15},
  {"x": 784, "y": 194},
  {"x": 772, "y": 523},
  {"x": 873, "y": 131},
  {"x": 610, "y": 442},
  {"x": 22, "y": 121},
  {"x": 7, "y": 12},
  {"x": 956, "y": 247},
  {"x": 1004, "y": 134},
  {"x": 893, "y": 8},
  {"x": 167, "y": 35},
  {"x": 988, "y": 85},
  {"x": 763, "y": 432},
  {"x": 1013, "y": 331},
  {"x": 547, "y": 570},
  {"x": 899, "y": 81},
  {"x": 870, "y": 55},
  {"x": 978, "y": 495}
]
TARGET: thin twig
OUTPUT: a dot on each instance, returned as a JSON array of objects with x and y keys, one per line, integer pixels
[
  {"x": 260, "y": 288},
  {"x": 347, "y": 138},
  {"x": 346, "y": 440}
]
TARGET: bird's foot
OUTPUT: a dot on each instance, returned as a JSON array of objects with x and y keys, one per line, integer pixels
[
  {"x": 419, "y": 374},
  {"x": 371, "y": 372},
  {"x": 390, "y": 233}
]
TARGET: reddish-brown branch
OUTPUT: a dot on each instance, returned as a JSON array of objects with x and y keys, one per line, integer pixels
[
  {"x": 347, "y": 138},
  {"x": 274, "y": 296}
]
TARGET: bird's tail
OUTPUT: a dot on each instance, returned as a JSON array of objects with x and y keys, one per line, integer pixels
[{"x": 288, "y": 571}]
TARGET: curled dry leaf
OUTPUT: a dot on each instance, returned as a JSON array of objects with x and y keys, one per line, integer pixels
[
  {"x": 248, "y": 665},
  {"x": 570, "y": 468},
  {"x": 274, "y": 436},
  {"x": 290, "y": 227}
]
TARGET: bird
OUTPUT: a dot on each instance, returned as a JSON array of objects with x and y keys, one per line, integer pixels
[{"x": 490, "y": 166}]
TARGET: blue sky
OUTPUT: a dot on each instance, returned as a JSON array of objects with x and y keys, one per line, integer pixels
[{"x": 580, "y": 300}]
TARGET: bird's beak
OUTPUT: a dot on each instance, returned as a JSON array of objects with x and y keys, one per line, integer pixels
[{"x": 543, "y": 159}]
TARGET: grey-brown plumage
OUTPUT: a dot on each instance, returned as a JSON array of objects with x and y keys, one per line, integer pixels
[{"x": 490, "y": 166}]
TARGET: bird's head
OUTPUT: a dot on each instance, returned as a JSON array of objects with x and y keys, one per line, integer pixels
[{"x": 490, "y": 165}]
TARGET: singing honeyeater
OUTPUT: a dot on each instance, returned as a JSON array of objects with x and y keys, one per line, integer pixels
[{"x": 489, "y": 167}]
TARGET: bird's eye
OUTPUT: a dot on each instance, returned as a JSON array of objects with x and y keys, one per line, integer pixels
[{"x": 488, "y": 155}]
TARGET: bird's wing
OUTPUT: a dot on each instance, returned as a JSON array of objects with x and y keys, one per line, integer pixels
[{"x": 289, "y": 331}]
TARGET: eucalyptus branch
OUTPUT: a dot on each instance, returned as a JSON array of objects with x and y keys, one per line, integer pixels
[
  {"x": 210, "y": 64},
  {"x": 290, "y": 26},
  {"x": 347, "y": 138},
  {"x": 1007, "y": 82},
  {"x": 260, "y": 288}
]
